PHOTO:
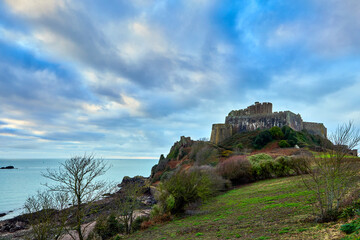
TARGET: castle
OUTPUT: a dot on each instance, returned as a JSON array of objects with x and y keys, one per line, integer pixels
[{"x": 261, "y": 116}]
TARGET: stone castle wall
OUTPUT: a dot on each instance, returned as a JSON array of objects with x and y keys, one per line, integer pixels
[
  {"x": 260, "y": 116},
  {"x": 315, "y": 128},
  {"x": 264, "y": 121},
  {"x": 257, "y": 108},
  {"x": 220, "y": 132}
]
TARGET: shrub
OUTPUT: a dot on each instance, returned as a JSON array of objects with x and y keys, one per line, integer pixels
[
  {"x": 290, "y": 135},
  {"x": 205, "y": 155},
  {"x": 282, "y": 166},
  {"x": 236, "y": 168},
  {"x": 226, "y": 153},
  {"x": 351, "y": 227},
  {"x": 187, "y": 187},
  {"x": 300, "y": 165},
  {"x": 284, "y": 144},
  {"x": 108, "y": 227},
  {"x": 276, "y": 133},
  {"x": 262, "y": 165},
  {"x": 136, "y": 225},
  {"x": 262, "y": 139},
  {"x": 239, "y": 146}
]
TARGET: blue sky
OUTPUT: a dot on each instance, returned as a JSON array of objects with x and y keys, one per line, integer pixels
[{"x": 128, "y": 78}]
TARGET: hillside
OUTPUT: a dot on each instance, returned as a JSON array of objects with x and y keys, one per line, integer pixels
[
  {"x": 186, "y": 152},
  {"x": 269, "y": 209}
]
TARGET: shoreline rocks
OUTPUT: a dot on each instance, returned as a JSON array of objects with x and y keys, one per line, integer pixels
[{"x": 8, "y": 167}]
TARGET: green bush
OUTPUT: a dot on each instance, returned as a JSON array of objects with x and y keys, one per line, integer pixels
[
  {"x": 276, "y": 133},
  {"x": 284, "y": 144},
  {"x": 282, "y": 166},
  {"x": 136, "y": 225},
  {"x": 236, "y": 168},
  {"x": 108, "y": 227},
  {"x": 290, "y": 135},
  {"x": 239, "y": 146},
  {"x": 198, "y": 183},
  {"x": 351, "y": 227},
  {"x": 300, "y": 165},
  {"x": 262, "y": 165},
  {"x": 262, "y": 139}
]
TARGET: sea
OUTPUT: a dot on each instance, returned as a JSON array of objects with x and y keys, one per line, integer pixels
[{"x": 16, "y": 185}]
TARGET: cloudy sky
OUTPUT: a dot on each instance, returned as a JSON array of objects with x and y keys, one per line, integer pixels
[{"x": 122, "y": 78}]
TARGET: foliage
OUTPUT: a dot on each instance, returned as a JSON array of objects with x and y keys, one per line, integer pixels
[
  {"x": 236, "y": 168},
  {"x": 239, "y": 146},
  {"x": 351, "y": 227},
  {"x": 262, "y": 139},
  {"x": 128, "y": 202},
  {"x": 187, "y": 187},
  {"x": 136, "y": 226},
  {"x": 226, "y": 153},
  {"x": 108, "y": 227},
  {"x": 45, "y": 219},
  {"x": 76, "y": 178},
  {"x": 290, "y": 135},
  {"x": 262, "y": 165},
  {"x": 333, "y": 175},
  {"x": 203, "y": 153},
  {"x": 276, "y": 133},
  {"x": 282, "y": 166},
  {"x": 284, "y": 144}
]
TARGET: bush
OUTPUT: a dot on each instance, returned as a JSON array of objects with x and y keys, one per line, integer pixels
[
  {"x": 262, "y": 139},
  {"x": 276, "y": 133},
  {"x": 206, "y": 155},
  {"x": 237, "y": 169},
  {"x": 136, "y": 225},
  {"x": 290, "y": 135},
  {"x": 187, "y": 187},
  {"x": 262, "y": 165},
  {"x": 226, "y": 153},
  {"x": 351, "y": 227},
  {"x": 284, "y": 144},
  {"x": 282, "y": 166},
  {"x": 108, "y": 227},
  {"x": 300, "y": 165}
]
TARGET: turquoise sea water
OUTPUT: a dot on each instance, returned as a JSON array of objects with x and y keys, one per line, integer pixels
[{"x": 16, "y": 185}]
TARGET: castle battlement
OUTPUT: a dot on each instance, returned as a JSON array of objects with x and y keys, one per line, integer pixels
[{"x": 260, "y": 116}]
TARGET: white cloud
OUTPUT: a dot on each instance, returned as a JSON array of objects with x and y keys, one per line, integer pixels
[{"x": 35, "y": 8}]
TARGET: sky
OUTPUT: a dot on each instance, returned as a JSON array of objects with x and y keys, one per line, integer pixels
[{"x": 126, "y": 79}]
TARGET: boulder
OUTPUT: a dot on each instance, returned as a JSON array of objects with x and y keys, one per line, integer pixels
[{"x": 7, "y": 167}]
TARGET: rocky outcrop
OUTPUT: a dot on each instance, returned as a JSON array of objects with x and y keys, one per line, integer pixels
[{"x": 8, "y": 167}]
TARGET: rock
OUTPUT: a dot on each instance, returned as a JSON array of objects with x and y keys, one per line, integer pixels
[
  {"x": 128, "y": 180},
  {"x": 2, "y": 214},
  {"x": 8, "y": 167}
]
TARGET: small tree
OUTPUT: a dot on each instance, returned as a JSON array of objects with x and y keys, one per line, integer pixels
[
  {"x": 77, "y": 179},
  {"x": 128, "y": 202},
  {"x": 44, "y": 215},
  {"x": 333, "y": 174}
]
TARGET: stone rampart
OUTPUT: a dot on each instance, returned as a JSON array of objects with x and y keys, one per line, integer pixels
[
  {"x": 220, "y": 132},
  {"x": 315, "y": 128},
  {"x": 264, "y": 121},
  {"x": 260, "y": 116},
  {"x": 257, "y": 108}
]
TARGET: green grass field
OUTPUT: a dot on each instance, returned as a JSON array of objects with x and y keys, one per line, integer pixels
[{"x": 271, "y": 209}]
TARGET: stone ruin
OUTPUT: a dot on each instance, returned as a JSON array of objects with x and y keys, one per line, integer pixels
[{"x": 261, "y": 116}]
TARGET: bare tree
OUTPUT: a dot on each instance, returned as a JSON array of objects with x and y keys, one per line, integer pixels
[
  {"x": 128, "y": 202},
  {"x": 334, "y": 173},
  {"x": 44, "y": 215},
  {"x": 77, "y": 178}
]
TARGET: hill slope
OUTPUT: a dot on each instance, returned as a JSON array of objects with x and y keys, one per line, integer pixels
[{"x": 270, "y": 209}]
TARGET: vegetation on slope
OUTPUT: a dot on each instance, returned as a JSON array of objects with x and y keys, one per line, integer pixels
[{"x": 270, "y": 209}]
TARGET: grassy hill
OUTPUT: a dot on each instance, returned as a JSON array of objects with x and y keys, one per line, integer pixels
[{"x": 269, "y": 209}]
